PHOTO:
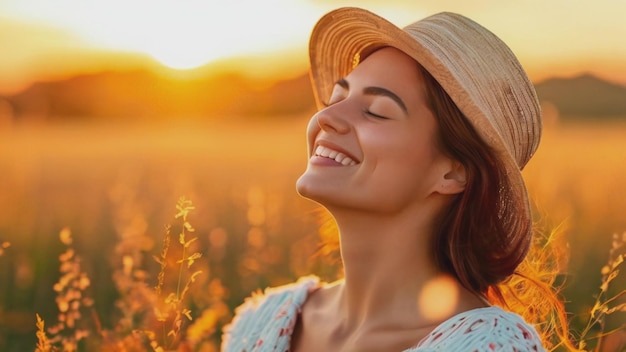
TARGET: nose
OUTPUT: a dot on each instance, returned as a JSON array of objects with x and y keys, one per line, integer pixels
[{"x": 331, "y": 119}]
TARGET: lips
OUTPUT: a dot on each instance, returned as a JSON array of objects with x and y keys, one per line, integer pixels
[{"x": 339, "y": 157}]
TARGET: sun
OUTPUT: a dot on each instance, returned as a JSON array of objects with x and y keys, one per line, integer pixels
[
  {"x": 184, "y": 34},
  {"x": 181, "y": 45},
  {"x": 182, "y": 58}
]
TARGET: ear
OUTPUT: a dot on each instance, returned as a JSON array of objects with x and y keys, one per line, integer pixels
[{"x": 454, "y": 180}]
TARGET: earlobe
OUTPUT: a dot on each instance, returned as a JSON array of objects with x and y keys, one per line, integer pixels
[{"x": 454, "y": 180}]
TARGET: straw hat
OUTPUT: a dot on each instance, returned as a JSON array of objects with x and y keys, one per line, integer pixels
[{"x": 477, "y": 70}]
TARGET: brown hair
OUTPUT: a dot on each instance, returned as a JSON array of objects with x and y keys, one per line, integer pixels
[
  {"x": 488, "y": 256},
  {"x": 473, "y": 243}
]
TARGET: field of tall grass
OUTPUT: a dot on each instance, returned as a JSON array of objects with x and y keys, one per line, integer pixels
[{"x": 85, "y": 211}]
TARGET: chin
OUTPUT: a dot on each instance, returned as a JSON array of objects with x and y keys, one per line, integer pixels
[
  {"x": 312, "y": 189},
  {"x": 303, "y": 187}
]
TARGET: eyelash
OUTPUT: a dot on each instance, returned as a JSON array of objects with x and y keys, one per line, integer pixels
[{"x": 376, "y": 115}]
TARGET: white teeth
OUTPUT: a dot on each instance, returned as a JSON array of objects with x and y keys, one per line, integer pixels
[{"x": 335, "y": 155}]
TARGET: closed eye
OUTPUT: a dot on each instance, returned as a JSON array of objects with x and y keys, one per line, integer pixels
[{"x": 376, "y": 115}]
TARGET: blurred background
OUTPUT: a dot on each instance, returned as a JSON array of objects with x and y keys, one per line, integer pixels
[{"x": 112, "y": 110}]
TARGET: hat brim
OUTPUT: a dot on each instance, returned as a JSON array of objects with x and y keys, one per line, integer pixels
[{"x": 346, "y": 34}]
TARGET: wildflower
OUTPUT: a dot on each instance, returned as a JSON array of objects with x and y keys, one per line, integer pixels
[
  {"x": 43, "y": 344},
  {"x": 171, "y": 308},
  {"x": 604, "y": 305},
  {"x": 71, "y": 298}
]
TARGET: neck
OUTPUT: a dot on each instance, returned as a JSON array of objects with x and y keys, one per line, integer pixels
[{"x": 387, "y": 263}]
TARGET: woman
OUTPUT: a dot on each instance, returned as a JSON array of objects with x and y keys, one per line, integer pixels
[{"x": 416, "y": 152}]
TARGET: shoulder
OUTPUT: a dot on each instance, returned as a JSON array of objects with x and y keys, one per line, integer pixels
[
  {"x": 483, "y": 329},
  {"x": 268, "y": 317}
]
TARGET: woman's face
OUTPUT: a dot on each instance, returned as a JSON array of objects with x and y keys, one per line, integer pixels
[{"x": 375, "y": 147}]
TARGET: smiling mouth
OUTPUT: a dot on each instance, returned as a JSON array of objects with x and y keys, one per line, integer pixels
[{"x": 334, "y": 155}]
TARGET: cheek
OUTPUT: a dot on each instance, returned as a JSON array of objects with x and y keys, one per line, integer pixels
[
  {"x": 406, "y": 157},
  {"x": 395, "y": 146}
]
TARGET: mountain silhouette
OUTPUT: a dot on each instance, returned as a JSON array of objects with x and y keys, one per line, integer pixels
[
  {"x": 142, "y": 94},
  {"x": 584, "y": 96}
]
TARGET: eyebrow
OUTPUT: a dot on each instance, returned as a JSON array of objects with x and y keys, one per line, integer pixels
[{"x": 376, "y": 91}]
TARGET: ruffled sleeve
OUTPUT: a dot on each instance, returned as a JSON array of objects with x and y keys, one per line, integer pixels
[
  {"x": 488, "y": 329},
  {"x": 265, "y": 322}
]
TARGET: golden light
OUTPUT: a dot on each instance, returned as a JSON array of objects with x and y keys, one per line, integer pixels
[
  {"x": 190, "y": 33},
  {"x": 181, "y": 61},
  {"x": 438, "y": 298},
  {"x": 182, "y": 55},
  {"x": 181, "y": 34}
]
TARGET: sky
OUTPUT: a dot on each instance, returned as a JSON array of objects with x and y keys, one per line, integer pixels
[{"x": 43, "y": 39}]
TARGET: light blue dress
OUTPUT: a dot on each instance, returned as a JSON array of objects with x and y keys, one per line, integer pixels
[{"x": 265, "y": 322}]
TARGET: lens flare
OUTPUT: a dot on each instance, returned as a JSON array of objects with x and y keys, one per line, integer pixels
[{"x": 438, "y": 298}]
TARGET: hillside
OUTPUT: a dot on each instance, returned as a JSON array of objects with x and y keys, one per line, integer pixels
[
  {"x": 585, "y": 95},
  {"x": 145, "y": 95}
]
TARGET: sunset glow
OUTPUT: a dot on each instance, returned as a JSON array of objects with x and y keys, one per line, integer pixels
[
  {"x": 550, "y": 38},
  {"x": 194, "y": 33},
  {"x": 118, "y": 118}
]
